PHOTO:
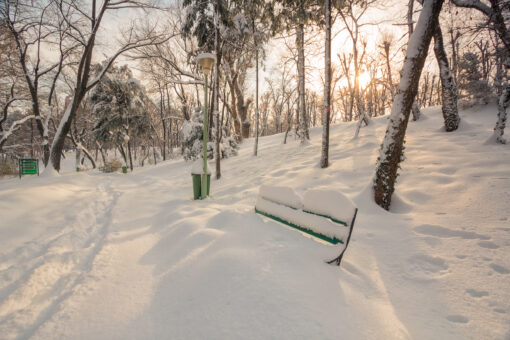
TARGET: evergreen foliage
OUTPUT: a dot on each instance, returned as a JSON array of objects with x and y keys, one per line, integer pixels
[
  {"x": 199, "y": 20},
  {"x": 120, "y": 108},
  {"x": 471, "y": 82},
  {"x": 192, "y": 133}
]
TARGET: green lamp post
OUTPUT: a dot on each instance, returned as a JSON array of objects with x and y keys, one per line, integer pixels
[{"x": 206, "y": 61}]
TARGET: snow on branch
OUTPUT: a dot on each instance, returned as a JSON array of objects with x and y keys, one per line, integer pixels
[
  {"x": 14, "y": 126},
  {"x": 476, "y": 4},
  {"x": 155, "y": 40},
  {"x": 184, "y": 82}
]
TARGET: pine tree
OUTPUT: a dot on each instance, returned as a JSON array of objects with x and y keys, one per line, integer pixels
[
  {"x": 120, "y": 110},
  {"x": 192, "y": 136},
  {"x": 470, "y": 77}
]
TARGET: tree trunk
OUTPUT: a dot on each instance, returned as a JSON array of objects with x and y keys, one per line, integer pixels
[
  {"x": 256, "y": 144},
  {"x": 77, "y": 159},
  {"x": 242, "y": 109},
  {"x": 431, "y": 96},
  {"x": 503, "y": 103},
  {"x": 387, "y": 46},
  {"x": 89, "y": 156},
  {"x": 130, "y": 157},
  {"x": 391, "y": 153},
  {"x": 162, "y": 115},
  {"x": 237, "y": 109},
  {"x": 154, "y": 153},
  {"x": 453, "y": 42},
  {"x": 289, "y": 121},
  {"x": 300, "y": 45},
  {"x": 448, "y": 86},
  {"x": 101, "y": 151},
  {"x": 123, "y": 154},
  {"x": 216, "y": 102},
  {"x": 327, "y": 89},
  {"x": 415, "y": 108},
  {"x": 64, "y": 127}
]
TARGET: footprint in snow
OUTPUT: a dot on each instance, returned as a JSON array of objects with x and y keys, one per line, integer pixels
[
  {"x": 428, "y": 263},
  {"x": 278, "y": 173},
  {"x": 488, "y": 245},
  {"x": 425, "y": 267},
  {"x": 477, "y": 293},
  {"x": 442, "y": 232},
  {"x": 432, "y": 241},
  {"x": 457, "y": 318},
  {"x": 447, "y": 171},
  {"x": 500, "y": 269}
]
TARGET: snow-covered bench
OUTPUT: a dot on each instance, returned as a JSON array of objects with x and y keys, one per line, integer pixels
[{"x": 324, "y": 214}]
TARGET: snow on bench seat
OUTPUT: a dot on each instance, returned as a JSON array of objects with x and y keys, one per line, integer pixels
[
  {"x": 282, "y": 195},
  {"x": 324, "y": 214},
  {"x": 312, "y": 224},
  {"x": 329, "y": 203}
]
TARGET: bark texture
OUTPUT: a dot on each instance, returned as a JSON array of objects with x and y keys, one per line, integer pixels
[
  {"x": 448, "y": 86},
  {"x": 327, "y": 89},
  {"x": 504, "y": 102},
  {"x": 300, "y": 42}
]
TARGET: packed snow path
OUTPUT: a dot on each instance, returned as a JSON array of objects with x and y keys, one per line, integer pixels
[{"x": 112, "y": 256}]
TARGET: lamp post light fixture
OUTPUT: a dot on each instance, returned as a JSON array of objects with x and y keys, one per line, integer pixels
[{"x": 206, "y": 61}]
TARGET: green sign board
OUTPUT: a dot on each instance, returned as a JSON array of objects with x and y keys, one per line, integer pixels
[{"x": 28, "y": 166}]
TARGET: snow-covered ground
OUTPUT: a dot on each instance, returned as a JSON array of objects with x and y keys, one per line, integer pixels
[{"x": 109, "y": 256}]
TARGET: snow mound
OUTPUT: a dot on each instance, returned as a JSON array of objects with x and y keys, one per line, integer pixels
[
  {"x": 329, "y": 203},
  {"x": 281, "y": 195},
  {"x": 198, "y": 167},
  {"x": 303, "y": 219},
  {"x": 49, "y": 172}
]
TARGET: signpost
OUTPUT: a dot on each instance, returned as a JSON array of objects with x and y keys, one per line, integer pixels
[{"x": 28, "y": 166}]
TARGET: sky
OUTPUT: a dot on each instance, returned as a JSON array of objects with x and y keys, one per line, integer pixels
[{"x": 386, "y": 16}]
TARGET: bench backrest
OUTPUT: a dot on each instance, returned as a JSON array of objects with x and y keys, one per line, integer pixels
[{"x": 324, "y": 214}]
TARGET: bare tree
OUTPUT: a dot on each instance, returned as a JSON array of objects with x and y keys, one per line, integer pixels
[
  {"x": 448, "y": 85},
  {"x": 327, "y": 88},
  {"x": 496, "y": 13},
  {"x": 32, "y": 26},
  {"x": 410, "y": 29},
  {"x": 391, "y": 153},
  {"x": 352, "y": 15},
  {"x": 86, "y": 38}
]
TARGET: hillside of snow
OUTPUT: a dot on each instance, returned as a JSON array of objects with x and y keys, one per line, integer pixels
[{"x": 110, "y": 256}]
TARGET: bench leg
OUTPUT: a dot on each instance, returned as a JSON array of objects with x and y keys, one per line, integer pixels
[{"x": 338, "y": 259}]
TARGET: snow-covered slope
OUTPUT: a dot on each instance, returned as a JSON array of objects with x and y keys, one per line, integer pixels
[{"x": 111, "y": 256}]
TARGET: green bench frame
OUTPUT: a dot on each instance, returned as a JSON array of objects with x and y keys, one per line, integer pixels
[{"x": 318, "y": 235}]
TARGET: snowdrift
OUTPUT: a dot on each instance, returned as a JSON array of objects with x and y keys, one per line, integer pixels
[{"x": 109, "y": 256}]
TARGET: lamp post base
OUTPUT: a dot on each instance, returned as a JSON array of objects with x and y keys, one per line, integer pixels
[{"x": 197, "y": 186}]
